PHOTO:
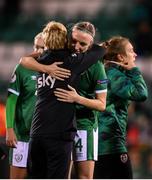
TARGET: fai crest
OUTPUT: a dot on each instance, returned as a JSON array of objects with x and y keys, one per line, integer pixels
[
  {"x": 124, "y": 158},
  {"x": 18, "y": 157}
]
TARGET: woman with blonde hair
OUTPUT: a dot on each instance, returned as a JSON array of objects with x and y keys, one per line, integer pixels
[
  {"x": 53, "y": 126},
  {"x": 19, "y": 112}
]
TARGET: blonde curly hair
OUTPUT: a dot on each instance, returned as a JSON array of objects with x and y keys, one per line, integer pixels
[{"x": 55, "y": 35}]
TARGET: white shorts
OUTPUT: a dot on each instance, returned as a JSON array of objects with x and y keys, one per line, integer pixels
[
  {"x": 86, "y": 145},
  {"x": 20, "y": 154}
]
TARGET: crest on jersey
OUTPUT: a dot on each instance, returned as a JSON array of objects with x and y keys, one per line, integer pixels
[
  {"x": 124, "y": 158},
  {"x": 74, "y": 55},
  {"x": 13, "y": 79}
]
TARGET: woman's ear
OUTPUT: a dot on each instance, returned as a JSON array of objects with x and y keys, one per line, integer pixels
[{"x": 120, "y": 58}]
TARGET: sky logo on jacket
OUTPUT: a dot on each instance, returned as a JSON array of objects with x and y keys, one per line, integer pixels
[{"x": 46, "y": 80}]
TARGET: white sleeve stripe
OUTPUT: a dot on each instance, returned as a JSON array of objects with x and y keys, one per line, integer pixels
[
  {"x": 100, "y": 91},
  {"x": 13, "y": 91}
]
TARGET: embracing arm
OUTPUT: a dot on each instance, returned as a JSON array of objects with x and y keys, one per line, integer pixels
[
  {"x": 99, "y": 103},
  {"x": 89, "y": 58},
  {"x": 53, "y": 70},
  {"x": 11, "y": 139},
  {"x": 71, "y": 96},
  {"x": 30, "y": 63},
  {"x": 99, "y": 84}
]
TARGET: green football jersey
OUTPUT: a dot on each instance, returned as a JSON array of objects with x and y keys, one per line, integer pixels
[
  {"x": 92, "y": 81},
  {"x": 124, "y": 86},
  {"x": 23, "y": 84}
]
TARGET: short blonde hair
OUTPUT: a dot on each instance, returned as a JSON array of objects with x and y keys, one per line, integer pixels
[{"x": 55, "y": 35}]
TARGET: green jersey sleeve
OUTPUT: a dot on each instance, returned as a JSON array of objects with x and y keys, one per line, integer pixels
[
  {"x": 13, "y": 93},
  {"x": 10, "y": 110},
  {"x": 100, "y": 78},
  {"x": 15, "y": 84}
]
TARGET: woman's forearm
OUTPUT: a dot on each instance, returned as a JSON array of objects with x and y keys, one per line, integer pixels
[
  {"x": 97, "y": 104},
  {"x": 31, "y": 63}
]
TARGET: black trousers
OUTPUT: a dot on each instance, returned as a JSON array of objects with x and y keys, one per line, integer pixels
[
  {"x": 49, "y": 158},
  {"x": 113, "y": 166},
  {"x": 2, "y": 153}
]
